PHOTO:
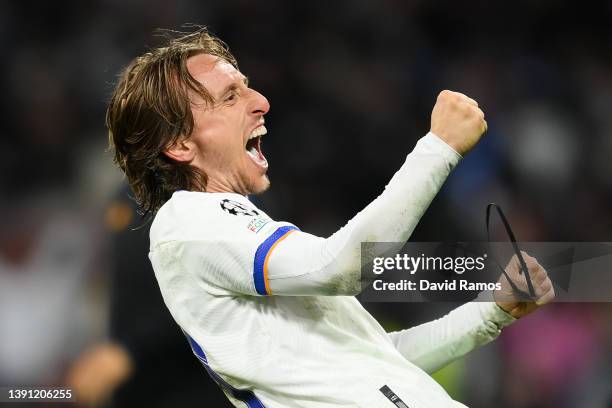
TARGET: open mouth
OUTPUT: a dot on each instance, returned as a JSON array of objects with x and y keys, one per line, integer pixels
[{"x": 253, "y": 147}]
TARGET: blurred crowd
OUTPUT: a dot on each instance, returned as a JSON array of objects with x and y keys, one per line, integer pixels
[{"x": 351, "y": 86}]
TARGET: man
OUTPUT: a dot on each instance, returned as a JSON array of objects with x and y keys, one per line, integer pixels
[{"x": 269, "y": 309}]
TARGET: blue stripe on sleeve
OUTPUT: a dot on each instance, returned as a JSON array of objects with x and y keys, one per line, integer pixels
[{"x": 260, "y": 257}]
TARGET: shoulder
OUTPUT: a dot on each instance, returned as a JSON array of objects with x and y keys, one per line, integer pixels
[{"x": 201, "y": 216}]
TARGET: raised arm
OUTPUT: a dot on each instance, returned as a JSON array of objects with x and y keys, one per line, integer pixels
[{"x": 302, "y": 264}]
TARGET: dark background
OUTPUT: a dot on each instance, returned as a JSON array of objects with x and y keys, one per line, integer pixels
[{"x": 351, "y": 86}]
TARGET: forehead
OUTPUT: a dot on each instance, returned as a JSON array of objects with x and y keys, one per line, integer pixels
[{"x": 212, "y": 72}]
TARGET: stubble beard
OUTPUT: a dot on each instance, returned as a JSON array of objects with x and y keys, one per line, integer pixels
[{"x": 260, "y": 186}]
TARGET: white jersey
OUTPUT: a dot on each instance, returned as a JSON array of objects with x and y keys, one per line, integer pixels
[{"x": 270, "y": 310}]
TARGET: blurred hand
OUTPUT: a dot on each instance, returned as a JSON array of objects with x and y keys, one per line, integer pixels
[
  {"x": 97, "y": 372},
  {"x": 458, "y": 121},
  {"x": 510, "y": 301}
]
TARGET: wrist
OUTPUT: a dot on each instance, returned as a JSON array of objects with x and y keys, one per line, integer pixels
[{"x": 450, "y": 149}]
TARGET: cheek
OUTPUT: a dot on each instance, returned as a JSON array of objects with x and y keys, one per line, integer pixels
[
  {"x": 219, "y": 139},
  {"x": 220, "y": 148}
]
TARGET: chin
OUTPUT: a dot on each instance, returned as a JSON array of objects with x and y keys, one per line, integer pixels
[{"x": 260, "y": 185}]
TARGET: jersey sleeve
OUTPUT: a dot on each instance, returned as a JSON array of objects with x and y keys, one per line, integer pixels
[
  {"x": 435, "y": 344},
  {"x": 303, "y": 264}
]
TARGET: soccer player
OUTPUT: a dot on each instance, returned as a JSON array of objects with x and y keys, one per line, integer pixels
[{"x": 269, "y": 309}]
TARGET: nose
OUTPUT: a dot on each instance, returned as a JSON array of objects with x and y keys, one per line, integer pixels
[{"x": 259, "y": 103}]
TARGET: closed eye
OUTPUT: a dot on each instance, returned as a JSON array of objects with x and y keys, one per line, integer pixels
[{"x": 232, "y": 92}]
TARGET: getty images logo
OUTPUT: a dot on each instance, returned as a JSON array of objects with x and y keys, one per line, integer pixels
[{"x": 413, "y": 264}]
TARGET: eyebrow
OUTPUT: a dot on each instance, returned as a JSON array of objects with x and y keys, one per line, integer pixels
[{"x": 234, "y": 86}]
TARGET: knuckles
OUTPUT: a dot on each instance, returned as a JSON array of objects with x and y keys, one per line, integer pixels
[
  {"x": 531, "y": 263},
  {"x": 458, "y": 102},
  {"x": 458, "y": 120},
  {"x": 452, "y": 99},
  {"x": 445, "y": 95}
]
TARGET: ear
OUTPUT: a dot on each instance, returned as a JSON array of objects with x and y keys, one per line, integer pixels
[{"x": 183, "y": 150}]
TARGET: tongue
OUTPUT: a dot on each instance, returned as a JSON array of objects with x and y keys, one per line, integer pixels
[{"x": 256, "y": 156}]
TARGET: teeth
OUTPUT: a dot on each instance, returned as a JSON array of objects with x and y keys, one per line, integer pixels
[{"x": 260, "y": 131}]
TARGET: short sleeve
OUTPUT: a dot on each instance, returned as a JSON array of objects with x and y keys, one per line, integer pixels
[{"x": 222, "y": 240}]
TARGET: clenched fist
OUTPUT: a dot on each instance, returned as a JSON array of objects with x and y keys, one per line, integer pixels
[
  {"x": 510, "y": 301},
  {"x": 458, "y": 121}
]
